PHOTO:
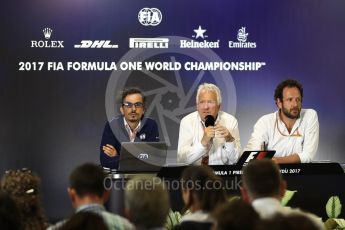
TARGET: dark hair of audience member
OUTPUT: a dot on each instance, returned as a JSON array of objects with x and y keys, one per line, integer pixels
[
  {"x": 235, "y": 215},
  {"x": 9, "y": 213},
  {"x": 23, "y": 186},
  {"x": 287, "y": 222},
  {"x": 84, "y": 221},
  {"x": 204, "y": 186},
  {"x": 262, "y": 178},
  {"x": 88, "y": 179}
]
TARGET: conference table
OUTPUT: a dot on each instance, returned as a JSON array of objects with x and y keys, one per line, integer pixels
[{"x": 314, "y": 184}]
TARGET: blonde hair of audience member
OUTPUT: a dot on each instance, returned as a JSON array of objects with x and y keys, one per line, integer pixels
[
  {"x": 23, "y": 186},
  {"x": 146, "y": 202},
  {"x": 199, "y": 191}
]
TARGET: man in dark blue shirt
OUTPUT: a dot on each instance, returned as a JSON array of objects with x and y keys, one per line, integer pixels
[{"x": 130, "y": 127}]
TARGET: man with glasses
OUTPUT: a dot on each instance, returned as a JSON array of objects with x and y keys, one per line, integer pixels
[
  {"x": 217, "y": 143},
  {"x": 292, "y": 131},
  {"x": 132, "y": 126}
]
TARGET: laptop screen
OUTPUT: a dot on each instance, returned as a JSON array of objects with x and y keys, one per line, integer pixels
[
  {"x": 248, "y": 156},
  {"x": 142, "y": 156}
]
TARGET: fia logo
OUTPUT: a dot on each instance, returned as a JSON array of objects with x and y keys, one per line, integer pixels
[
  {"x": 143, "y": 156},
  {"x": 150, "y": 16},
  {"x": 242, "y": 35}
]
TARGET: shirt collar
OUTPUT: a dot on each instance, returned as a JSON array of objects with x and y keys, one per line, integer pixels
[
  {"x": 128, "y": 127},
  {"x": 283, "y": 126},
  {"x": 92, "y": 206},
  {"x": 266, "y": 201},
  {"x": 198, "y": 216},
  {"x": 269, "y": 204}
]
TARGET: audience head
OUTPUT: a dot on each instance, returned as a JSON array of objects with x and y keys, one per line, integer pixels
[
  {"x": 288, "y": 222},
  {"x": 262, "y": 178},
  {"x": 201, "y": 188},
  {"x": 9, "y": 213},
  {"x": 87, "y": 185},
  {"x": 235, "y": 215},
  {"x": 146, "y": 202},
  {"x": 23, "y": 186},
  {"x": 84, "y": 221}
]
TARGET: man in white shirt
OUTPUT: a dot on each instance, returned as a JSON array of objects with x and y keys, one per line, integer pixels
[
  {"x": 217, "y": 144},
  {"x": 292, "y": 131},
  {"x": 264, "y": 187}
]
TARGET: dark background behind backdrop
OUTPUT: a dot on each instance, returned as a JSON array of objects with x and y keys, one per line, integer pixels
[{"x": 52, "y": 121}]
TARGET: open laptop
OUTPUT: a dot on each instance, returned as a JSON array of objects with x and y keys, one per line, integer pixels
[
  {"x": 138, "y": 157},
  {"x": 248, "y": 156}
]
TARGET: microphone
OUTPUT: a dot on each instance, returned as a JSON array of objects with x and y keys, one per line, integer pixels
[{"x": 209, "y": 120}]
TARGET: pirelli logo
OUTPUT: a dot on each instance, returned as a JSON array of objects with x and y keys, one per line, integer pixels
[{"x": 155, "y": 43}]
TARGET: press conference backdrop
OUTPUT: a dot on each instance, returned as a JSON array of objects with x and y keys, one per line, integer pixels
[{"x": 53, "y": 109}]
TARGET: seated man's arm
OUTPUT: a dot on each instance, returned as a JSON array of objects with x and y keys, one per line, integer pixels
[
  {"x": 236, "y": 134},
  {"x": 109, "y": 155},
  {"x": 187, "y": 151},
  {"x": 258, "y": 136},
  {"x": 311, "y": 138},
  {"x": 236, "y": 149},
  {"x": 294, "y": 158},
  {"x": 310, "y": 142},
  {"x": 232, "y": 147}
]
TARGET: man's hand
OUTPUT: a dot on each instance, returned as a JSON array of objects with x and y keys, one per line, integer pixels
[
  {"x": 221, "y": 131},
  {"x": 109, "y": 150},
  {"x": 292, "y": 159},
  {"x": 209, "y": 133}
]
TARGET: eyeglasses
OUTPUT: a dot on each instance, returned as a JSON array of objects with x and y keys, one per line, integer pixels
[
  {"x": 294, "y": 134},
  {"x": 129, "y": 105}
]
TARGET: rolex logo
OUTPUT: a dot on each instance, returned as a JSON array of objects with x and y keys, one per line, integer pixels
[{"x": 47, "y": 32}]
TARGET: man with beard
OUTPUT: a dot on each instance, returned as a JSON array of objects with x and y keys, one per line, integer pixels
[
  {"x": 292, "y": 131},
  {"x": 130, "y": 127}
]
